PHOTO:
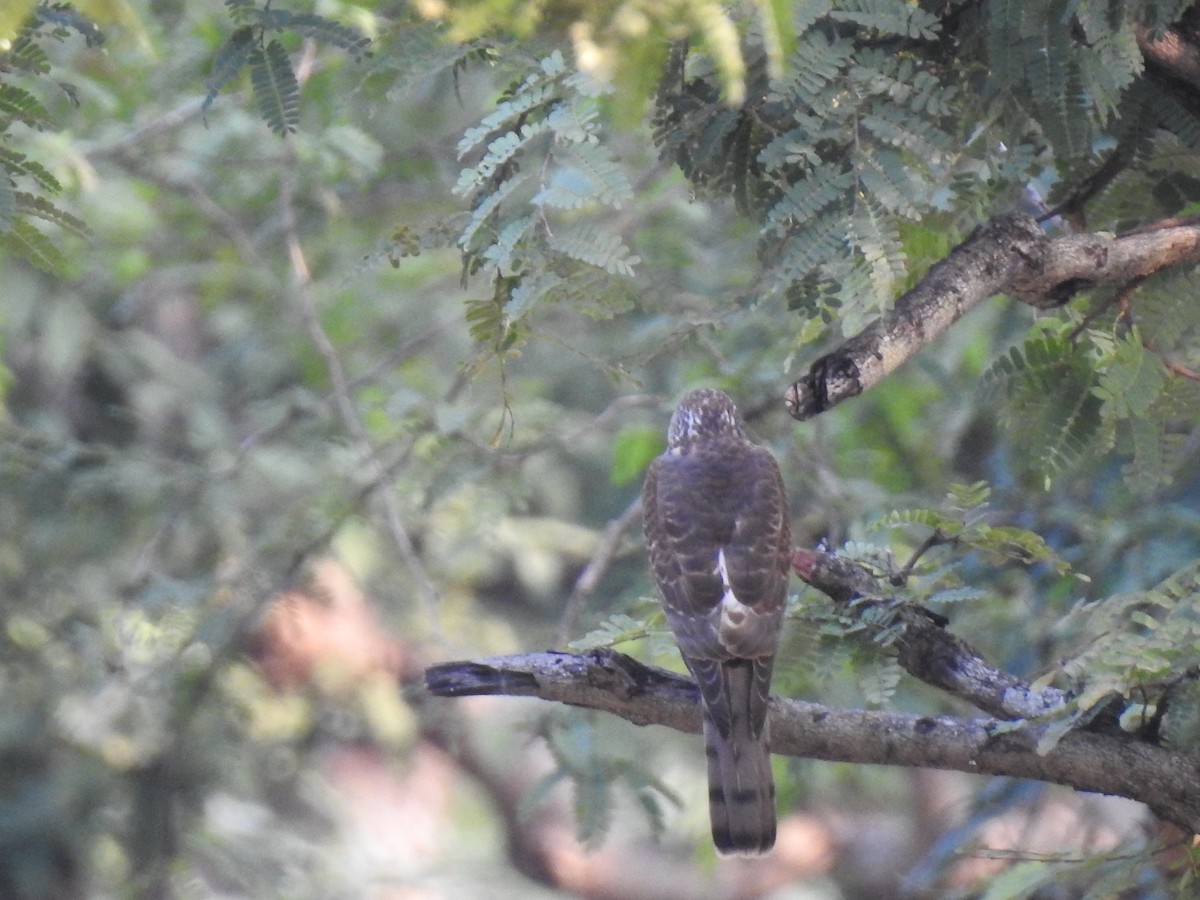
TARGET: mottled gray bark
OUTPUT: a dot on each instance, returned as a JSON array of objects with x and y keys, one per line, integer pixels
[
  {"x": 1008, "y": 255},
  {"x": 925, "y": 649},
  {"x": 1166, "y": 781}
]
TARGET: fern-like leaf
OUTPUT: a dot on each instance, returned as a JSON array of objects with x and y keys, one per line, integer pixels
[
  {"x": 586, "y": 174},
  {"x": 1131, "y": 380},
  {"x": 876, "y": 236},
  {"x": 275, "y": 88},
  {"x": 805, "y": 200},
  {"x": 18, "y": 164},
  {"x": 1161, "y": 435},
  {"x": 486, "y": 208},
  {"x": 816, "y": 64},
  {"x": 8, "y": 204},
  {"x": 604, "y": 251},
  {"x": 40, "y": 207},
  {"x": 499, "y": 151},
  {"x": 316, "y": 27},
  {"x": 241, "y": 10},
  {"x": 26, "y": 56},
  {"x": 888, "y": 17},
  {"x": 62, "y": 15},
  {"x": 233, "y": 56},
  {"x": 1050, "y": 404},
  {"x": 532, "y": 95},
  {"x": 18, "y": 105},
  {"x": 27, "y": 243}
]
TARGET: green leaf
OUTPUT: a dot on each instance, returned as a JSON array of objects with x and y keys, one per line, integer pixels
[
  {"x": 18, "y": 164},
  {"x": 1020, "y": 881},
  {"x": 1131, "y": 380},
  {"x": 275, "y": 88},
  {"x": 8, "y": 205},
  {"x": 316, "y": 27},
  {"x": 633, "y": 449},
  {"x": 233, "y": 56},
  {"x": 20, "y": 105},
  {"x": 618, "y": 628},
  {"x": 602, "y": 250},
  {"x": 42, "y": 208},
  {"x": 27, "y": 243}
]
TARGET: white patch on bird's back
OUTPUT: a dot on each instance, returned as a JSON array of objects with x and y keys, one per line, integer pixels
[{"x": 733, "y": 612}]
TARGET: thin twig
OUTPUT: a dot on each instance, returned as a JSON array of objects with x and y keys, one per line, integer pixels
[
  {"x": 937, "y": 539},
  {"x": 589, "y": 579},
  {"x": 1181, "y": 370},
  {"x": 303, "y": 288}
]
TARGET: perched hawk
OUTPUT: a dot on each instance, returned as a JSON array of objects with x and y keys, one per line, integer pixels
[{"x": 717, "y": 525}]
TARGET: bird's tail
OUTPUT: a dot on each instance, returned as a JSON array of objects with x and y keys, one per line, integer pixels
[{"x": 741, "y": 789}]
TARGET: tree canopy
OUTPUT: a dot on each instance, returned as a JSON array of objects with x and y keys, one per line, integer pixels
[{"x": 336, "y": 336}]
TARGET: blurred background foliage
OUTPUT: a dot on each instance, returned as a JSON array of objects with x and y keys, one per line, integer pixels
[{"x": 289, "y": 412}]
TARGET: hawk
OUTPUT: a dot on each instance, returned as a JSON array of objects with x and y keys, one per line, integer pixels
[{"x": 717, "y": 527}]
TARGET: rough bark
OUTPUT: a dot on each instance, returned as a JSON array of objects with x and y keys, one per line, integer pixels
[
  {"x": 925, "y": 649},
  {"x": 1008, "y": 255},
  {"x": 1171, "y": 54},
  {"x": 1166, "y": 781}
]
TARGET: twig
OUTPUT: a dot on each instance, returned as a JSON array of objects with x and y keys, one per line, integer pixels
[
  {"x": 1071, "y": 208},
  {"x": 937, "y": 539},
  {"x": 589, "y": 578},
  {"x": 1181, "y": 370},
  {"x": 303, "y": 288},
  {"x": 149, "y": 130}
]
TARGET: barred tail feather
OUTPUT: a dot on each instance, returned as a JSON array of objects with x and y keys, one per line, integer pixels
[{"x": 741, "y": 789}]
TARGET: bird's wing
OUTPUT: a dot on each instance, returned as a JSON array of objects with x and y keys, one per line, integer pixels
[{"x": 717, "y": 529}]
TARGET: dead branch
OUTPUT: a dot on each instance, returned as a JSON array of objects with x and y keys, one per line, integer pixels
[
  {"x": 1008, "y": 255},
  {"x": 1166, "y": 781}
]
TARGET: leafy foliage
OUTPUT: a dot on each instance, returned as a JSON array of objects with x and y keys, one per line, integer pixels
[
  {"x": 1047, "y": 389},
  {"x": 26, "y": 186},
  {"x": 831, "y": 155},
  {"x": 272, "y": 76},
  {"x": 1140, "y": 650},
  {"x": 275, "y": 87},
  {"x": 963, "y": 521},
  {"x": 1071, "y": 395},
  {"x": 545, "y": 123},
  {"x": 623, "y": 43},
  {"x": 234, "y": 382},
  {"x": 571, "y": 739}
]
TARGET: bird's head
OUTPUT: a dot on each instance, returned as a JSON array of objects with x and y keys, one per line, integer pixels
[{"x": 703, "y": 415}]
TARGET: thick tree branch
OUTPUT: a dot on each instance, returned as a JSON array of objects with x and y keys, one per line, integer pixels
[
  {"x": 925, "y": 649},
  {"x": 1167, "y": 781},
  {"x": 1008, "y": 255},
  {"x": 1171, "y": 54}
]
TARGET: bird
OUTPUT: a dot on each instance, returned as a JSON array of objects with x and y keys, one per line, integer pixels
[{"x": 715, "y": 517}]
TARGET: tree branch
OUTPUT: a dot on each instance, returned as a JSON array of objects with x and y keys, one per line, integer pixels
[
  {"x": 1009, "y": 254},
  {"x": 305, "y": 297},
  {"x": 1167, "y": 781},
  {"x": 603, "y": 556},
  {"x": 1171, "y": 54},
  {"x": 925, "y": 649}
]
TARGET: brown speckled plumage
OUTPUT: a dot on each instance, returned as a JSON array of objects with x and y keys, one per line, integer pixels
[{"x": 717, "y": 527}]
